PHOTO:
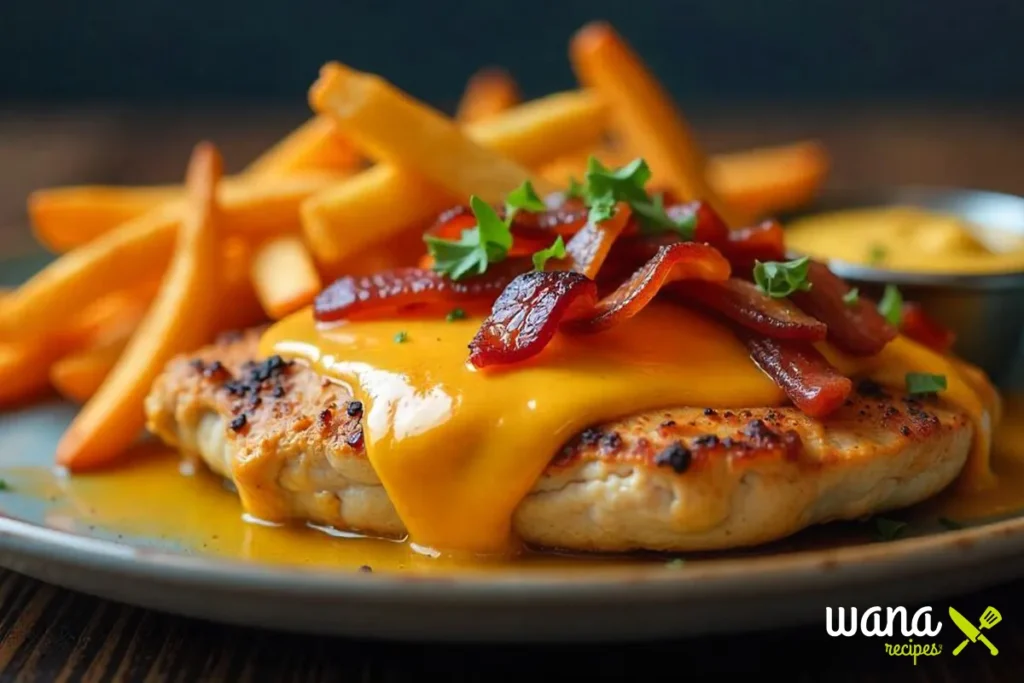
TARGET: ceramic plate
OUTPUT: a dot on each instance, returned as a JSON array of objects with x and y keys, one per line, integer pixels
[{"x": 785, "y": 584}]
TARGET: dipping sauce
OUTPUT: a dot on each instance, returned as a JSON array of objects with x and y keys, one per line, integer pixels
[{"x": 907, "y": 239}]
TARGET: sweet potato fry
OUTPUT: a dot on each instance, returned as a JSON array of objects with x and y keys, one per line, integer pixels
[
  {"x": 79, "y": 375},
  {"x": 375, "y": 205},
  {"x": 64, "y": 218},
  {"x": 759, "y": 182},
  {"x": 316, "y": 145},
  {"x": 284, "y": 276},
  {"x": 181, "y": 318},
  {"x": 489, "y": 92},
  {"x": 397, "y": 129},
  {"x": 141, "y": 248},
  {"x": 646, "y": 117}
]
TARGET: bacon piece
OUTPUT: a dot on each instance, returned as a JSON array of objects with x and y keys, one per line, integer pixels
[
  {"x": 920, "y": 327},
  {"x": 858, "y": 329},
  {"x": 811, "y": 382},
  {"x": 527, "y": 314},
  {"x": 762, "y": 242},
  {"x": 587, "y": 250},
  {"x": 742, "y": 302},
  {"x": 404, "y": 290},
  {"x": 672, "y": 263}
]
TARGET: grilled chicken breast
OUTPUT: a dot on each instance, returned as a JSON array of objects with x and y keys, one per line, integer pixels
[{"x": 680, "y": 479}]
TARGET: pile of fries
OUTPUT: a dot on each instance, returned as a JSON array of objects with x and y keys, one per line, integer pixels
[{"x": 147, "y": 273}]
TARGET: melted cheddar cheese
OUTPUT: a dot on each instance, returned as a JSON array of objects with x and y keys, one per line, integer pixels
[{"x": 457, "y": 448}]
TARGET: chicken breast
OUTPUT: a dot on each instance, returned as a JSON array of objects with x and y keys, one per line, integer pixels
[{"x": 680, "y": 479}]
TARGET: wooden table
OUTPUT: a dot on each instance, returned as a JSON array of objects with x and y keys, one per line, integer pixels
[{"x": 49, "y": 634}]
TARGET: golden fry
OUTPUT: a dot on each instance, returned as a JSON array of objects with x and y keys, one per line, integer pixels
[
  {"x": 374, "y": 206},
  {"x": 140, "y": 249},
  {"x": 24, "y": 369},
  {"x": 180, "y": 318},
  {"x": 397, "y": 129},
  {"x": 314, "y": 146},
  {"x": 64, "y": 218},
  {"x": 646, "y": 117},
  {"x": 284, "y": 276},
  {"x": 79, "y": 375},
  {"x": 488, "y": 93}
]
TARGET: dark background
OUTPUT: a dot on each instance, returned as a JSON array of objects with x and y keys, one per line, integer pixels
[{"x": 710, "y": 51}]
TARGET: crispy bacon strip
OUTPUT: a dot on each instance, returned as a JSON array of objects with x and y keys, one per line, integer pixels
[
  {"x": 920, "y": 327},
  {"x": 810, "y": 381},
  {"x": 527, "y": 314},
  {"x": 742, "y": 302},
  {"x": 403, "y": 290},
  {"x": 535, "y": 305},
  {"x": 762, "y": 242},
  {"x": 858, "y": 329},
  {"x": 587, "y": 250},
  {"x": 672, "y": 263}
]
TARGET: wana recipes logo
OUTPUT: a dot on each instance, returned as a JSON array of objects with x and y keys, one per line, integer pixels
[{"x": 919, "y": 631}]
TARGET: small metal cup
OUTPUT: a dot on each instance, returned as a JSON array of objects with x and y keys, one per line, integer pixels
[{"x": 985, "y": 311}]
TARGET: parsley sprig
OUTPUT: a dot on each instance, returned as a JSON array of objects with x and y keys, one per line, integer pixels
[
  {"x": 556, "y": 251},
  {"x": 604, "y": 188},
  {"x": 779, "y": 279}
]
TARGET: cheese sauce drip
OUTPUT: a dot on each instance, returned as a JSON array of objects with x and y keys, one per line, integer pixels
[{"x": 457, "y": 448}]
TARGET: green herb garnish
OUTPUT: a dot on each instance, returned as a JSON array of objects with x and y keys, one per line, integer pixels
[
  {"x": 401, "y": 337},
  {"x": 780, "y": 279},
  {"x": 523, "y": 197},
  {"x": 889, "y": 529},
  {"x": 556, "y": 251},
  {"x": 877, "y": 254},
  {"x": 455, "y": 314},
  {"x": 3, "y": 485},
  {"x": 950, "y": 524},
  {"x": 924, "y": 383},
  {"x": 852, "y": 297},
  {"x": 605, "y": 187},
  {"x": 486, "y": 243},
  {"x": 676, "y": 562},
  {"x": 575, "y": 190},
  {"x": 891, "y": 305}
]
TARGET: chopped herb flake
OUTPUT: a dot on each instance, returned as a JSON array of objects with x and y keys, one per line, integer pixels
[
  {"x": 852, "y": 297},
  {"x": 924, "y": 383},
  {"x": 401, "y": 337},
  {"x": 889, "y": 529},
  {"x": 575, "y": 190},
  {"x": 891, "y": 305},
  {"x": 523, "y": 197},
  {"x": 555, "y": 251},
  {"x": 780, "y": 279},
  {"x": 877, "y": 254},
  {"x": 455, "y": 314}
]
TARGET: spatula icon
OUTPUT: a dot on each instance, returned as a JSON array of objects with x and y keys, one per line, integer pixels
[{"x": 989, "y": 618}]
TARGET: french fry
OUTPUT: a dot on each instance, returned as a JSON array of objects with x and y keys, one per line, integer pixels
[
  {"x": 285, "y": 277},
  {"x": 79, "y": 375},
  {"x": 140, "y": 249},
  {"x": 375, "y": 205},
  {"x": 64, "y": 218},
  {"x": 762, "y": 181},
  {"x": 489, "y": 92},
  {"x": 645, "y": 115},
  {"x": 314, "y": 146},
  {"x": 757, "y": 182},
  {"x": 180, "y": 318},
  {"x": 397, "y": 129},
  {"x": 24, "y": 369}
]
